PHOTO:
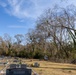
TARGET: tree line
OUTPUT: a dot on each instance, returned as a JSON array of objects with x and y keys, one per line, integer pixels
[{"x": 54, "y": 36}]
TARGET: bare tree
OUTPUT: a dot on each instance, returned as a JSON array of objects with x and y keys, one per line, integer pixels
[
  {"x": 56, "y": 25},
  {"x": 19, "y": 38}
]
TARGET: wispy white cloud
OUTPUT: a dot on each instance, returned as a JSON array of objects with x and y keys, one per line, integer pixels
[
  {"x": 16, "y": 26},
  {"x": 3, "y": 4},
  {"x": 26, "y": 8},
  {"x": 22, "y": 20}
]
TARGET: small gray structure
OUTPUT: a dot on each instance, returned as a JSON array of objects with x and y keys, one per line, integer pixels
[
  {"x": 36, "y": 64},
  {"x": 45, "y": 57}
]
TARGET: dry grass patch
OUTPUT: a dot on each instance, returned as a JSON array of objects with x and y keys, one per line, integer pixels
[
  {"x": 50, "y": 68},
  {"x": 1, "y": 67}
]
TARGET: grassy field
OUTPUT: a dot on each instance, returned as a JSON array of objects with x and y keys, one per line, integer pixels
[{"x": 50, "y": 68}]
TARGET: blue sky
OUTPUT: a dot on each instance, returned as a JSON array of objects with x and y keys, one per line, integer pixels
[{"x": 18, "y": 16}]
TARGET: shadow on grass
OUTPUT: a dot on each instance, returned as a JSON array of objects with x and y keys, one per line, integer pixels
[
  {"x": 57, "y": 68},
  {"x": 62, "y": 64},
  {"x": 68, "y": 68}
]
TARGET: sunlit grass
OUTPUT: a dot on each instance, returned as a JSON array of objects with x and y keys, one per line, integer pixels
[{"x": 50, "y": 68}]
